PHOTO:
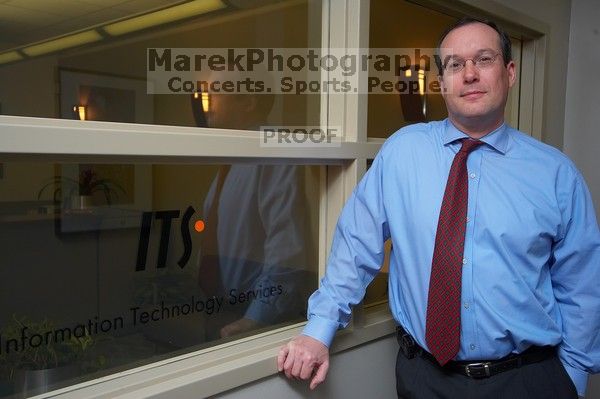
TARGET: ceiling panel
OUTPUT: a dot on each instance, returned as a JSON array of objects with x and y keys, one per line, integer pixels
[
  {"x": 10, "y": 14},
  {"x": 65, "y": 8},
  {"x": 137, "y": 6},
  {"x": 28, "y": 21},
  {"x": 88, "y": 20},
  {"x": 105, "y": 3}
]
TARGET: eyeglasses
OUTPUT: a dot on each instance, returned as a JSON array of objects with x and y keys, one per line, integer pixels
[{"x": 457, "y": 64}]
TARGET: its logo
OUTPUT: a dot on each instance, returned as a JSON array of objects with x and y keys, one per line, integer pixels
[{"x": 166, "y": 217}]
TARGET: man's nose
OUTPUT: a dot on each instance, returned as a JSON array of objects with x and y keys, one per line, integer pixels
[{"x": 470, "y": 72}]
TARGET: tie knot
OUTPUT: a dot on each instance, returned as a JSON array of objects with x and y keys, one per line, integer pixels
[{"x": 469, "y": 145}]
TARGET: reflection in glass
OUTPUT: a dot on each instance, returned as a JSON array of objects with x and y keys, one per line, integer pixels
[
  {"x": 91, "y": 290},
  {"x": 420, "y": 27},
  {"x": 95, "y": 55},
  {"x": 253, "y": 247}
]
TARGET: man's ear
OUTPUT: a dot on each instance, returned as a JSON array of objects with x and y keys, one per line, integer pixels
[{"x": 512, "y": 73}]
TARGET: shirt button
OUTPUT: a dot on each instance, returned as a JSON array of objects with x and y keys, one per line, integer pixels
[
  {"x": 472, "y": 175},
  {"x": 472, "y": 346},
  {"x": 468, "y": 219},
  {"x": 466, "y": 305},
  {"x": 464, "y": 261}
]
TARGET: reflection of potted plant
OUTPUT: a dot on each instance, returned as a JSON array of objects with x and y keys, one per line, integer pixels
[
  {"x": 34, "y": 366},
  {"x": 81, "y": 191}
]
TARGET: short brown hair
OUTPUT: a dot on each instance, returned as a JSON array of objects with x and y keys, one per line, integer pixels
[{"x": 505, "y": 43}]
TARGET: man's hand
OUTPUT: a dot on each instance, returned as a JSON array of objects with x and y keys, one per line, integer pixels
[
  {"x": 238, "y": 326},
  {"x": 304, "y": 357}
]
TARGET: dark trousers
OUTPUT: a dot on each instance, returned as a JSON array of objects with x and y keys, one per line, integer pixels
[{"x": 420, "y": 378}]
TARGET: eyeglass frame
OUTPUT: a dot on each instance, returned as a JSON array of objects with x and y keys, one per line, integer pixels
[{"x": 475, "y": 60}]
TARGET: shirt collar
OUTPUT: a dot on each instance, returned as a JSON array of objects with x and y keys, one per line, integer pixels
[{"x": 497, "y": 139}]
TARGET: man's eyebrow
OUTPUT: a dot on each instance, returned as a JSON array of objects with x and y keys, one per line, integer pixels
[
  {"x": 487, "y": 50},
  {"x": 480, "y": 51}
]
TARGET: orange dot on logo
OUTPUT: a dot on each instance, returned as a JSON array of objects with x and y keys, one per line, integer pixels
[{"x": 199, "y": 226}]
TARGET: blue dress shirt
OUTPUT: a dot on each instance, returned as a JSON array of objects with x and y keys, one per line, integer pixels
[{"x": 531, "y": 273}]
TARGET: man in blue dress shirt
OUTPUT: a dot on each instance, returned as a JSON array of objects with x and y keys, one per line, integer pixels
[{"x": 530, "y": 285}]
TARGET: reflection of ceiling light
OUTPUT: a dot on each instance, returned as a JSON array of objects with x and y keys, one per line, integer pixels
[
  {"x": 9, "y": 56},
  {"x": 205, "y": 102},
  {"x": 62, "y": 43},
  {"x": 204, "y": 99},
  {"x": 185, "y": 10},
  {"x": 170, "y": 14},
  {"x": 80, "y": 111}
]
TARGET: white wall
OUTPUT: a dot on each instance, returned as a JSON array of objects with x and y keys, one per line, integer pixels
[
  {"x": 366, "y": 371},
  {"x": 555, "y": 15},
  {"x": 582, "y": 116}
]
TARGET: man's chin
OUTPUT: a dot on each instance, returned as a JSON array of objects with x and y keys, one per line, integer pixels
[{"x": 478, "y": 127}]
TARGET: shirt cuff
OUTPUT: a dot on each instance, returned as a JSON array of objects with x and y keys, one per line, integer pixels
[
  {"x": 579, "y": 378},
  {"x": 321, "y": 329}
]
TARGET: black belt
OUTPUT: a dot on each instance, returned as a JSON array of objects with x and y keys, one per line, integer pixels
[{"x": 477, "y": 368}]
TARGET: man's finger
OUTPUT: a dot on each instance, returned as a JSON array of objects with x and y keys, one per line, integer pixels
[
  {"x": 307, "y": 370},
  {"x": 320, "y": 375},
  {"x": 289, "y": 361},
  {"x": 281, "y": 356},
  {"x": 297, "y": 366}
]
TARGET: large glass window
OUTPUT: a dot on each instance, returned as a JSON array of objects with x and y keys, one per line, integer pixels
[
  {"x": 89, "y": 60},
  {"x": 110, "y": 266},
  {"x": 407, "y": 26}
]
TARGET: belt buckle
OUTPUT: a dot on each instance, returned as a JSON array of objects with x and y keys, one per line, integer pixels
[{"x": 478, "y": 370}]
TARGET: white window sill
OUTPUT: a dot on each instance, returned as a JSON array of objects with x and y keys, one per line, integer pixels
[{"x": 220, "y": 368}]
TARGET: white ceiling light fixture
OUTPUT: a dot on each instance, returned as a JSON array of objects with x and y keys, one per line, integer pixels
[
  {"x": 10, "y": 56},
  {"x": 186, "y": 10},
  {"x": 76, "y": 39}
]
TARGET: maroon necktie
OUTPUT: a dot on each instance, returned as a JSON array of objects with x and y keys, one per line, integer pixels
[{"x": 443, "y": 305}]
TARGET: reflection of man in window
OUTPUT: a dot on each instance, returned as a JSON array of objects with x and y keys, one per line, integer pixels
[{"x": 253, "y": 247}]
